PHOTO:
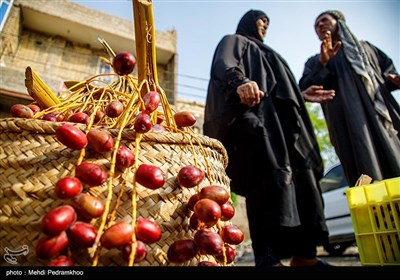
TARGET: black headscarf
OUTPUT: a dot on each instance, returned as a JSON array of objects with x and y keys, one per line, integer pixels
[
  {"x": 338, "y": 15},
  {"x": 247, "y": 25}
]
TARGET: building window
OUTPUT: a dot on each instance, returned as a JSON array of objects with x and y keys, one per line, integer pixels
[
  {"x": 104, "y": 68},
  {"x": 5, "y": 7}
]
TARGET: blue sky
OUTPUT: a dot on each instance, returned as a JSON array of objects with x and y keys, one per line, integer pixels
[{"x": 201, "y": 24}]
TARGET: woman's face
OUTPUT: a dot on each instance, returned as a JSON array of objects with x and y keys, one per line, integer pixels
[
  {"x": 262, "y": 26},
  {"x": 325, "y": 23}
]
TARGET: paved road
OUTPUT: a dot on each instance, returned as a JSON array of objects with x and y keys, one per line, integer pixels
[{"x": 244, "y": 252}]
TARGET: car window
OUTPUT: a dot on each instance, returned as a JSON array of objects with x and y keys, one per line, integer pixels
[{"x": 333, "y": 179}]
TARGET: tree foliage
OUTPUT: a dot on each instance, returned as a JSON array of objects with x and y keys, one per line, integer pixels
[{"x": 321, "y": 131}]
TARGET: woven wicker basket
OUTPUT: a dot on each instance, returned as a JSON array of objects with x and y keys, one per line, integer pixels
[{"x": 32, "y": 161}]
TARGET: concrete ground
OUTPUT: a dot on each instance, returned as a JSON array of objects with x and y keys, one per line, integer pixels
[{"x": 244, "y": 252}]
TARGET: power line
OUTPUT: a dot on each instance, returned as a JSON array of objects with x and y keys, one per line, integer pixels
[
  {"x": 197, "y": 96},
  {"x": 193, "y": 87},
  {"x": 193, "y": 77}
]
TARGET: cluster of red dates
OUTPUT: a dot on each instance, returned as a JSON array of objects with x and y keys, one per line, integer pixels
[{"x": 73, "y": 222}]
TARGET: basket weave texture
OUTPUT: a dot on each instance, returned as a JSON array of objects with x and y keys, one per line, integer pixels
[{"x": 32, "y": 160}]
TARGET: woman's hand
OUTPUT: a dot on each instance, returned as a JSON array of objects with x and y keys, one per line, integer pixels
[
  {"x": 394, "y": 78},
  {"x": 249, "y": 93},
  {"x": 318, "y": 94},
  {"x": 327, "y": 50}
]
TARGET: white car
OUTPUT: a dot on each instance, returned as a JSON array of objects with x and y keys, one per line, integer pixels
[{"x": 337, "y": 213}]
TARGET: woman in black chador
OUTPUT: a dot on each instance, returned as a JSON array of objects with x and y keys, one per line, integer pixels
[{"x": 363, "y": 118}]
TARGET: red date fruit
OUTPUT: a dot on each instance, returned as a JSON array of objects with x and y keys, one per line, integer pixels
[
  {"x": 217, "y": 193},
  {"x": 147, "y": 231},
  {"x": 35, "y": 108},
  {"x": 21, "y": 111},
  {"x": 125, "y": 158},
  {"x": 99, "y": 116},
  {"x": 114, "y": 109},
  {"x": 208, "y": 211},
  {"x": 230, "y": 254},
  {"x": 190, "y": 176},
  {"x": 123, "y": 63},
  {"x": 50, "y": 117},
  {"x": 158, "y": 127},
  {"x": 91, "y": 174},
  {"x": 71, "y": 136},
  {"x": 83, "y": 234},
  {"x": 48, "y": 247},
  {"x": 150, "y": 176},
  {"x": 68, "y": 187},
  {"x": 60, "y": 117},
  {"x": 231, "y": 234},
  {"x": 151, "y": 101},
  {"x": 142, "y": 123},
  {"x": 208, "y": 242},
  {"x": 100, "y": 141},
  {"x": 58, "y": 219},
  {"x": 140, "y": 254},
  {"x": 160, "y": 117},
  {"x": 227, "y": 211},
  {"x": 61, "y": 261},
  {"x": 79, "y": 117},
  {"x": 117, "y": 235},
  {"x": 88, "y": 206},
  {"x": 194, "y": 222},
  {"x": 182, "y": 250},
  {"x": 192, "y": 201},
  {"x": 99, "y": 92},
  {"x": 184, "y": 119}
]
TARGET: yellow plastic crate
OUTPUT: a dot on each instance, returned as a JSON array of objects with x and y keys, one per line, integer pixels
[{"x": 375, "y": 212}]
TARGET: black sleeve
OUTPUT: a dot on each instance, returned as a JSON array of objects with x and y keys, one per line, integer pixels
[
  {"x": 386, "y": 65},
  {"x": 314, "y": 73},
  {"x": 227, "y": 65}
]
